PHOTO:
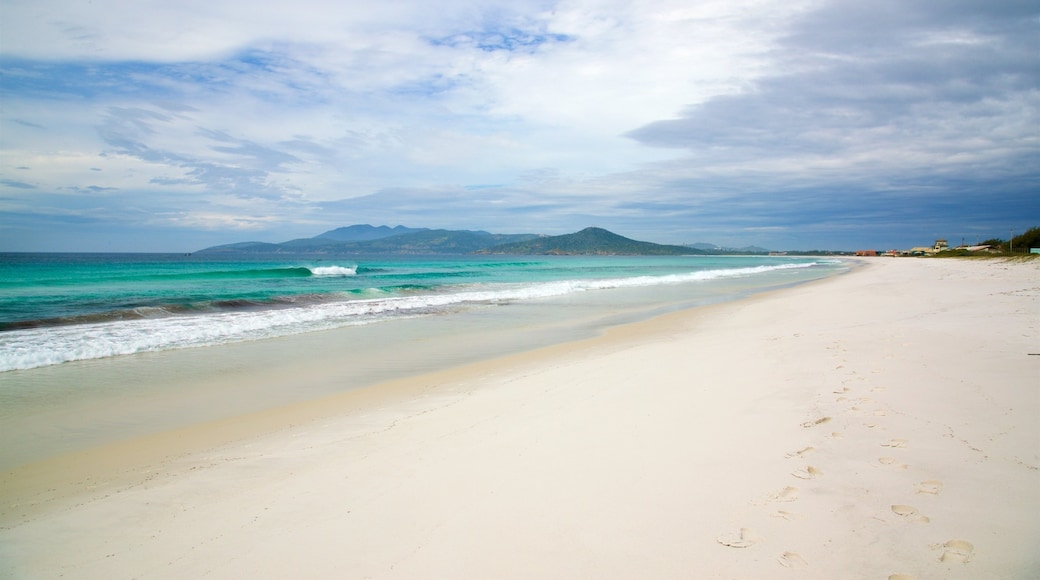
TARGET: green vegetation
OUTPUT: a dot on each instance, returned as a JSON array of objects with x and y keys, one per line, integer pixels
[
  {"x": 1018, "y": 247},
  {"x": 1020, "y": 244},
  {"x": 1030, "y": 239}
]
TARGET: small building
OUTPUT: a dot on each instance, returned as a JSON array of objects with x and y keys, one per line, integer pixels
[
  {"x": 866, "y": 252},
  {"x": 940, "y": 246}
]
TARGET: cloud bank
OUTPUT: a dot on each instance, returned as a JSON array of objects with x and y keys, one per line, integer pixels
[{"x": 840, "y": 124}]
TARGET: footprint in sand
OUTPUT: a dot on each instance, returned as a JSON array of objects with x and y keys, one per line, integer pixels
[
  {"x": 742, "y": 539},
  {"x": 836, "y": 435},
  {"x": 792, "y": 560},
  {"x": 815, "y": 423},
  {"x": 880, "y": 413},
  {"x": 891, "y": 462},
  {"x": 956, "y": 551},
  {"x": 786, "y": 515},
  {"x": 932, "y": 486},
  {"x": 787, "y": 494},
  {"x": 877, "y": 390},
  {"x": 910, "y": 513},
  {"x": 800, "y": 452},
  {"x": 870, "y": 425},
  {"x": 896, "y": 443},
  {"x": 902, "y": 577},
  {"x": 807, "y": 472}
]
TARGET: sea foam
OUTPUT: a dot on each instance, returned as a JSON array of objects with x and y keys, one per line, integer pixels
[{"x": 334, "y": 271}]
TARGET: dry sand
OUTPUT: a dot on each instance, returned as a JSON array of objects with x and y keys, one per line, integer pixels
[{"x": 880, "y": 424}]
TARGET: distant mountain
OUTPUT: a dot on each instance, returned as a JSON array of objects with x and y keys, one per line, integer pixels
[
  {"x": 704, "y": 246},
  {"x": 243, "y": 248},
  {"x": 589, "y": 242},
  {"x": 366, "y": 239},
  {"x": 365, "y": 232},
  {"x": 713, "y": 249},
  {"x": 436, "y": 242}
]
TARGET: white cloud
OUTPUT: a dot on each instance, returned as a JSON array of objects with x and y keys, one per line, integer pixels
[
  {"x": 274, "y": 112},
  {"x": 203, "y": 30}
]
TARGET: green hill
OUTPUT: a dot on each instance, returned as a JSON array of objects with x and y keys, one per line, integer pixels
[
  {"x": 369, "y": 240},
  {"x": 435, "y": 242},
  {"x": 590, "y": 242}
]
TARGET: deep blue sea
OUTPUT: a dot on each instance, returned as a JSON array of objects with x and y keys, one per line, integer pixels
[{"x": 57, "y": 308}]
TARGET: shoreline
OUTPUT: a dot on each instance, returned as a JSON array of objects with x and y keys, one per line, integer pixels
[
  {"x": 79, "y": 405},
  {"x": 115, "y": 464},
  {"x": 663, "y": 448}
]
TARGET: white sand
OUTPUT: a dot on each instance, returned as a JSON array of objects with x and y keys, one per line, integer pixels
[{"x": 880, "y": 423}]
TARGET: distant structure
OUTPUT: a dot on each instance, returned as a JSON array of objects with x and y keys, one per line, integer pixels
[
  {"x": 866, "y": 252},
  {"x": 985, "y": 248},
  {"x": 939, "y": 246}
]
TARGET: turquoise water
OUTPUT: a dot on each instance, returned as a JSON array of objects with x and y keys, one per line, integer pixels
[{"x": 57, "y": 308}]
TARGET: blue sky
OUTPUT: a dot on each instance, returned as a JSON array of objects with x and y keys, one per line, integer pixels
[{"x": 789, "y": 124}]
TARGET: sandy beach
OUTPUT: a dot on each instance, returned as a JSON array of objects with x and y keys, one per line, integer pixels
[{"x": 878, "y": 424}]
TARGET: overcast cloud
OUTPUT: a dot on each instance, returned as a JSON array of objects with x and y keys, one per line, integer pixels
[{"x": 171, "y": 126}]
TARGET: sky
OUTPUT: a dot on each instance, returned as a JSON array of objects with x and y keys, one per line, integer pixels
[{"x": 161, "y": 126}]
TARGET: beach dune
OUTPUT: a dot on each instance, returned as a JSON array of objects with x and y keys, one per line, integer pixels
[{"x": 877, "y": 424}]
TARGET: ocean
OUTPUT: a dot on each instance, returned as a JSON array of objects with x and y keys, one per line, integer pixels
[{"x": 94, "y": 347}]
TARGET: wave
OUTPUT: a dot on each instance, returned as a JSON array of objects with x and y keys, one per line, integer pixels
[
  {"x": 334, "y": 271},
  {"x": 261, "y": 273},
  {"x": 212, "y": 275},
  {"x": 155, "y": 329},
  {"x": 180, "y": 309}
]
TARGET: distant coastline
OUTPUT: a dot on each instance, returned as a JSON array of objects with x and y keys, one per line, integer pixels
[
  {"x": 375, "y": 240},
  {"x": 366, "y": 239}
]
